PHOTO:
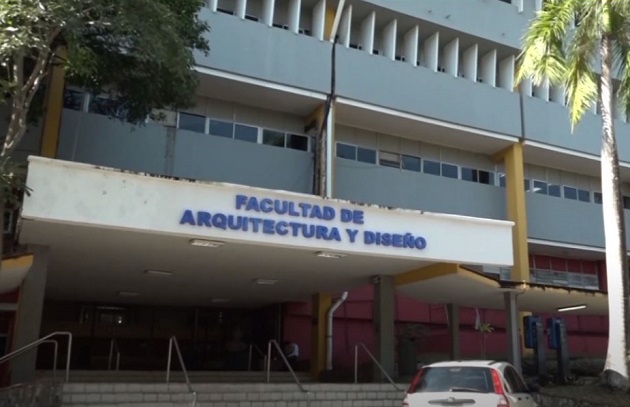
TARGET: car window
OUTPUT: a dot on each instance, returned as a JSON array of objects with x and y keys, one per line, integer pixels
[
  {"x": 462, "y": 378},
  {"x": 514, "y": 381}
]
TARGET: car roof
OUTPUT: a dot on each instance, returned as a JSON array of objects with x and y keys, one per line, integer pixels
[{"x": 470, "y": 363}]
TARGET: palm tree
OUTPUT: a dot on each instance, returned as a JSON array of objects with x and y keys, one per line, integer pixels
[{"x": 562, "y": 46}]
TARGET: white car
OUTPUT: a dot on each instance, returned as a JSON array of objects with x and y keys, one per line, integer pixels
[{"x": 467, "y": 384}]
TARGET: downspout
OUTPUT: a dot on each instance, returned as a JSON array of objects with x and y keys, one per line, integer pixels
[{"x": 329, "y": 329}]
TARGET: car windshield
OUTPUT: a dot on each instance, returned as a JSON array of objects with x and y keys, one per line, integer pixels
[{"x": 455, "y": 379}]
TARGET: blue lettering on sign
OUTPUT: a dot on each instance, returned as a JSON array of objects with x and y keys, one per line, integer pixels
[{"x": 258, "y": 223}]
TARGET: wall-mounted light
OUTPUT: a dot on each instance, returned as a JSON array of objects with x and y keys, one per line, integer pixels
[
  {"x": 213, "y": 244},
  {"x": 265, "y": 281},
  {"x": 158, "y": 273},
  {"x": 330, "y": 255},
  {"x": 572, "y": 308}
]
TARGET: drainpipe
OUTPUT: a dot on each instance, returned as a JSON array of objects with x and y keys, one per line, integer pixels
[{"x": 329, "y": 329}]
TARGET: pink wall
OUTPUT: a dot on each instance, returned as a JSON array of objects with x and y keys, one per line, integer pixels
[{"x": 353, "y": 324}]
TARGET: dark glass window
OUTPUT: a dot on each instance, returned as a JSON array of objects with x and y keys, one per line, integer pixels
[
  {"x": 527, "y": 185},
  {"x": 246, "y": 133},
  {"x": 366, "y": 155},
  {"x": 554, "y": 190},
  {"x": 346, "y": 151},
  {"x": 411, "y": 163},
  {"x": 431, "y": 167},
  {"x": 597, "y": 197},
  {"x": 502, "y": 180},
  {"x": 73, "y": 99},
  {"x": 540, "y": 187},
  {"x": 470, "y": 174},
  {"x": 221, "y": 128},
  {"x": 449, "y": 170},
  {"x": 273, "y": 138},
  {"x": 192, "y": 122},
  {"x": 584, "y": 196},
  {"x": 626, "y": 202},
  {"x": 570, "y": 193},
  {"x": 445, "y": 379},
  {"x": 486, "y": 177},
  {"x": 297, "y": 142}
]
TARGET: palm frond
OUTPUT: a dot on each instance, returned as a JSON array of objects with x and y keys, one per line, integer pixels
[
  {"x": 621, "y": 60},
  {"x": 543, "y": 55}
]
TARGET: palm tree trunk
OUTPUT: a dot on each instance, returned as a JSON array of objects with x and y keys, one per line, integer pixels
[{"x": 616, "y": 367}]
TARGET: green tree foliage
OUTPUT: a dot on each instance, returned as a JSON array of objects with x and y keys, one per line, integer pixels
[{"x": 566, "y": 44}]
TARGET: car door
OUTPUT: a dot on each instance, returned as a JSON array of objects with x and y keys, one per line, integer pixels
[{"x": 517, "y": 391}]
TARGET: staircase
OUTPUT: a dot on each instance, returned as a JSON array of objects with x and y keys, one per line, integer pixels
[
  {"x": 230, "y": 395},
  {"x": 217, "y": 389}
]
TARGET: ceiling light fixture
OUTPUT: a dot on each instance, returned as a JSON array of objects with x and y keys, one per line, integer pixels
[
  {"x": 330, "y": 255},
  {"x": 213, "y": 244},
  {"x": 572, "y": 308},
  {"x": 128, "y": 293},
  {"x": 265, "y": 281},
  {"x": 158, "y": 273}
]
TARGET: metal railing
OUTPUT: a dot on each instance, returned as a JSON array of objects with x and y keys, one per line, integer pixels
[
  {"x": 40, "y": 341},
  {"x": 356, "y": 364},
  {"x": 253, "y": 348},
  {"x": 172, "y": 342},
  {"x": 287, "y": 364},
  {"x": 113, "y": 346}
]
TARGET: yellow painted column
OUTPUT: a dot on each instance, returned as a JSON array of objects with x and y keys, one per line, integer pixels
[
  {"x": 53, "y": 106},
  {"x": 512, "y": 158},
  {"x": 321, "y": 304},
  {"x": 328, "y": 22}
]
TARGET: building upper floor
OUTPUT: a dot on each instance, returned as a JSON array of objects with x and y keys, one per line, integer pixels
[{"x": 442, "y": 60}]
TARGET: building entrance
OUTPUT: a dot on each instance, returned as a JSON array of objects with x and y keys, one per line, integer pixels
[{"x": 209, "y": 338}]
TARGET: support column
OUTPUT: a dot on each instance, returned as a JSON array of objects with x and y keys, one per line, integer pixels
[
  {"x": 514, "y": 343},
  {"x": 29, "y": 316},
  {"x": 512, "y": 158},
  {"x": 53, "y": 106},
  {"x": 321, "y": 304},
  {"x": 452, "y": 311},
  {"x": 384, "y": 311}
]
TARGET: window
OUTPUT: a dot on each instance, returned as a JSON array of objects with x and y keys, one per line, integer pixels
[
  {"x": 366, "y": 155},
  {"x": 527, "y": 185},
  {"x": 107, "y": 107},
  {"x": 570, "y": 193},
  {"x": 449, "y": 171},
  {"x": 192, "y": 122},
  {"x": 297, "y": 142},
  {"x": 411, "y": 163},
  {"x": 469, "y": 174},
  {"x": 273, "y": 138},
  {"x": 584, "y": 196},
  {"x": 486, "y": 177},
  {"x": 346, "y": 151},
  {"x": 540, "y": 187},
  {"x": 443, "y": 379},
  {"x": 502, "y": 180},
  {"x": 626, "y": 202},
  {"x": 554, "y": 190},
  {"x": 73, "y": 99},
  {"x": 514, "y": 380},
  {"x": 597, "y": 197},
  {"x": 431, "y": 167},
  {"x": 387, "y": 159},
  {"x": 246, "y": 133},
  {"x": 221, "y": 128}
]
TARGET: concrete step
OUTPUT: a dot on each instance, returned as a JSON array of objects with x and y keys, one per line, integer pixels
[
  {"x": 231, "y": 395},
  {"x": 130, "y": 376}
]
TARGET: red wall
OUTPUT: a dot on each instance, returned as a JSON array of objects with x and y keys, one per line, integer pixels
[{"x": 353, "y": 323}]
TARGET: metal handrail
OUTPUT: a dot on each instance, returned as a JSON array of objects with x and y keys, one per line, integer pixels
[
  {"x": 253, "y": 348},
  {"x": 286, "y": 362},
  {"x": 56, "y": 344},
  {"x": 356, "y": 364},
  {"x": 35, "y": 344},
  {"x": 173, "y": 342},
  {"x": 113, "y": 344}
]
